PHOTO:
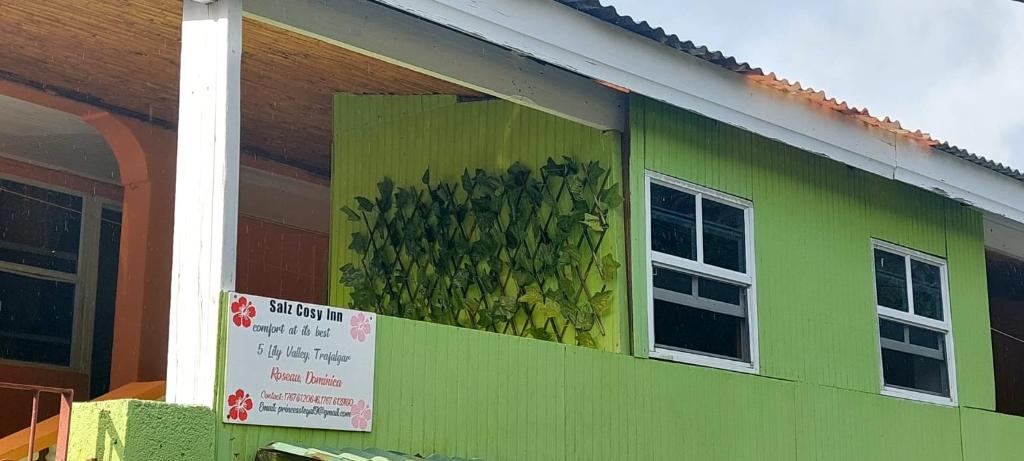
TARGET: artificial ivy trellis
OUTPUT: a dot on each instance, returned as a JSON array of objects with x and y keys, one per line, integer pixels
[{"x": 515, "y": 252}]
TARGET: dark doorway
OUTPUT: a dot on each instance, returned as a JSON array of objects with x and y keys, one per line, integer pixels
[
  {"x": 106, "y": 293},
  {"x": 1006, "y": 310}
]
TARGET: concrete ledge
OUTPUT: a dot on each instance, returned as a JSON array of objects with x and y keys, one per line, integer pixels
[{"x": 141, "y": 430}]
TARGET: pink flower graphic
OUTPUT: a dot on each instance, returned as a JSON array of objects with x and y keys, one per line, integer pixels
[
  {"x": 360, "y": 327},
  {"x": 242, "y": 312},
  {"x": 239, "y": 404},
  {"x": 361, "y": 415}
]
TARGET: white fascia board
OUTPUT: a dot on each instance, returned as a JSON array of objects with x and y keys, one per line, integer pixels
[
  {"x": 408, "y": 41},
  {"x": 1004, "y": 235},
  {"x": 554, "y": 33},
  {"x": 557, "y": 34},
  {"x": 958, "y": 179}
]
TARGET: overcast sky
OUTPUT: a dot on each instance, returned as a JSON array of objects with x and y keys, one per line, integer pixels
[{"x": 952, "y": 68}]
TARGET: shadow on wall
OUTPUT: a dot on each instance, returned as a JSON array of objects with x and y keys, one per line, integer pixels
[
  {"x": 108, "y": 440},
  {"x": 140, "y": 430}
]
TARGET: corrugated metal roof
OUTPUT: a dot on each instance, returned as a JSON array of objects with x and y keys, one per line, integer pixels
[
  {"x": 279, "y": 451},
  {"x": 609, "y": 14}
]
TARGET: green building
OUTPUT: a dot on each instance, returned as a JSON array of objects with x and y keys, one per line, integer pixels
[{"x": 582, "y": 238}]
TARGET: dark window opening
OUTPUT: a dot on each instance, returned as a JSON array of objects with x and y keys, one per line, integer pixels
[
  {"x": 694, "y": 314},
  {"x": 37, "y": 317},
  {"x": 1006, "y": 311},
  {"x": 106, "y": 292},
  {"x": 40, "y": 232},
  {"x": 724, "y": 236},
  {"x": 673, "y": 222},
  {"x": 40, "y": 228},
  {"x": 913, "y": 358},
  {"x": 891, "y": 280}
]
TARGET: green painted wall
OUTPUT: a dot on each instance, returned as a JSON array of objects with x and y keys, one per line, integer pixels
[
  {"x": 461, "y": 392},
  {"x": 401, "y": 136},
  {"x": 988, "y": 435},
  {"x": 813, "y": 222},
  {"x": 141, "y": 430},
  {"x": 469, "y": 393}
]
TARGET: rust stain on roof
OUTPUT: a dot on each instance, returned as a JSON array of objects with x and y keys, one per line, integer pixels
[{"x": 755, "y": 74}]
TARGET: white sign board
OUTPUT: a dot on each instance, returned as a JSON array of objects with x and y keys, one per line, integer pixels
[{"x": 298, "y": 365}]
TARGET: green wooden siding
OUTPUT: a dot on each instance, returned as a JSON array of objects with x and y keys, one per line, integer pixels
[
  {"x": 477, "y": 394},
  {"x": 991, "y": 436},
  {"x": 461, "y": 392},
  {"x": 813, "y": 224},
  {"x": 841, "y": 425}
]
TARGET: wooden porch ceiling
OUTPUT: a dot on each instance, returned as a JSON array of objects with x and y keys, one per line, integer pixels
[{"x": 125, "y": 54}]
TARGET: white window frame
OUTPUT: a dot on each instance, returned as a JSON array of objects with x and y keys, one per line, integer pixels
[
  {"x": 701, "y": 269},
  {"x": 84, "y": 278},
  {"x": 945, "y": 326}
]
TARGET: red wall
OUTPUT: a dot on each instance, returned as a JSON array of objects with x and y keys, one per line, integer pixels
[{"x": 275, "y": 260}]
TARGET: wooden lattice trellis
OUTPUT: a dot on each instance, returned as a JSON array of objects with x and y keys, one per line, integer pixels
[{"x": 517, "y": 252}]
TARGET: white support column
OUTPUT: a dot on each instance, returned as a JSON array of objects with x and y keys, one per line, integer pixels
[{"x": 206, "y": 194}]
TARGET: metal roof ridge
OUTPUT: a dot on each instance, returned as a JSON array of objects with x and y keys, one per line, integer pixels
[{"x": 610, "y": 15}]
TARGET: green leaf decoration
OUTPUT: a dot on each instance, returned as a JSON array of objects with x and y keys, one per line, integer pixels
[
  {"x": 360, "y": 242},
  {"x": 405, "y": 198},
  {"x": 540, "y": 334},
  {"x": 611, "y": 196},
  {"x": 365, "y": 204},
  {"x": 385, "y": 187},
  {"x": 351, "y": 276},
  {"x": 576, "y": 187},
  {"x": 519, "y": 173},
  {"x": 350, "y": 213},
  {"x": 486, "y": 249},
  {"x": 532, "y": 296},
  {"x": 601, "y": 302},
  {"x": 507, "y": 307},
  {"x": 609, "y": 268},
  {"x": 593, "y": 222},
  {"x": 586, "y": 340},
  {"x": 548, "y": 309}
]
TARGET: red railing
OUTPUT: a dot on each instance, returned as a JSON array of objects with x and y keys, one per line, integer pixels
[{"x": 66, "y": 396}]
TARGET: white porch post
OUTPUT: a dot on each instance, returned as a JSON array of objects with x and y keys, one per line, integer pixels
[{"x": 206, "y": 194}]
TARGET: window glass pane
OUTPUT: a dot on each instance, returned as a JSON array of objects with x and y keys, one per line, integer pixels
[
  {"x": 106, "y": 296},
  {"x": 916, "y": 372},
  {"x": 672, "y": 280},
  {"x": 891, "y": 280},
  {"x": 927, "y": 283},
  {"x": 39, "y": 227},
  {"x": 673, "y": 214},
  {"x": 925, "y": 338},
  {"x": 686, "y": 328},
  {"x": 36, "y": 319},
  {"x": 724, "y": 239},
  {"x": 915, "y": 358},
  {"x": 891, "y": 330},
  {"x": 719, "y": 291}
]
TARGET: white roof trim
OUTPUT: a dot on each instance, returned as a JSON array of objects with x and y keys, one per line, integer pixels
[
  {"x": 1004, "y": 236},
  {"x": 557, "y": 34}
]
